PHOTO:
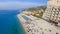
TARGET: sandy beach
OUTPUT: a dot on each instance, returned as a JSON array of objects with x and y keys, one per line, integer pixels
[{"x": 36, "y": 25}]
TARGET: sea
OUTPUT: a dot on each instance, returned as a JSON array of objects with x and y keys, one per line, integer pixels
[{"x": 9, "y": 22}]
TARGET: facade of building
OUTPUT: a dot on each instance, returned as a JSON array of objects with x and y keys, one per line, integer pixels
[{"x": 52, "y": 12}]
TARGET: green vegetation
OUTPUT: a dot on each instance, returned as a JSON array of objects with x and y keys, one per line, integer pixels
[
  {"x": 37, "y": 8},
  {"x": 39, "y": 15},
  {"x": 37, "y": 11}
]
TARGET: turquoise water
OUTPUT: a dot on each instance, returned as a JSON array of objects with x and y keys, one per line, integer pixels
[{"x": 9, "y": 23}]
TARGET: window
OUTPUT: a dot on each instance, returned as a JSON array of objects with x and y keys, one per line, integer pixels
[
  {"x": 57, "y": 13},
  {"x": 59, "y": 9},
  {"x": 59, "y": 17}
]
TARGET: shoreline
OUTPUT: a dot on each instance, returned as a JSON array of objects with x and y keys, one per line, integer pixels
[
  {"x": 19, "y": 17},
  {"x": 37, "y": 24},
  {"x": 22, "y": 26}
]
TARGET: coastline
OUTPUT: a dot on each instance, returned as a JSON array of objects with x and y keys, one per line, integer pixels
[
  {"x": 21, "y": 25},
  {"x": 41, "y": 26},
  {"x": 21, "y": 21}
]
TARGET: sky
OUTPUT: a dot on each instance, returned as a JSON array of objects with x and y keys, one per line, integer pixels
[{"x": 19, "y": 4}]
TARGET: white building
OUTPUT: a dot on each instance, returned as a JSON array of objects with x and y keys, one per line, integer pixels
[{"x": 53, "y": 11}]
